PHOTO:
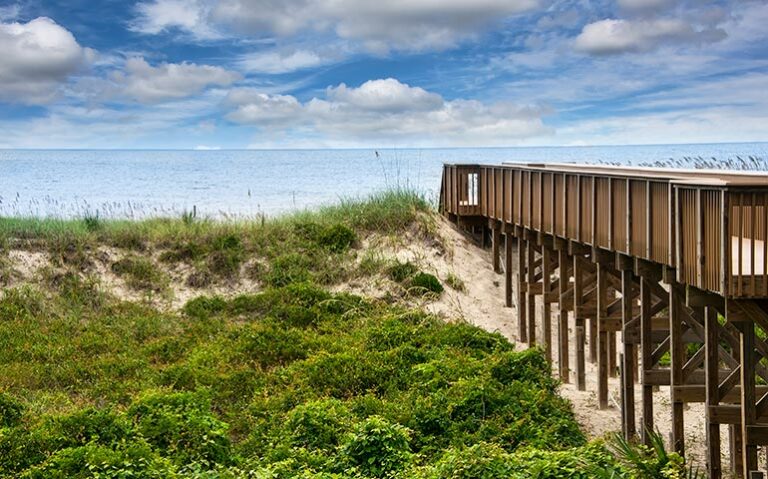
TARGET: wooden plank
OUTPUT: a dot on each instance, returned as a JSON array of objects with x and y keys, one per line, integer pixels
[
  {"x": 656, "y": 377},
  {"x": 696, "y": 393}
]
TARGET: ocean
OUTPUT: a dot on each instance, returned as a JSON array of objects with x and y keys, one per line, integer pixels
[{"x": 249, "y": 183}]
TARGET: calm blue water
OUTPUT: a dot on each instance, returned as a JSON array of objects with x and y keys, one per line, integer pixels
[{"x": 136, "y": 184}]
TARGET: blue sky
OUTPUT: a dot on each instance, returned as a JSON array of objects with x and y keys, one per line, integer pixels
[{"x": 394, "y": 73}]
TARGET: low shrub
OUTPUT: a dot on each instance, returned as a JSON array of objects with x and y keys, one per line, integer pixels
[
  {"x": 21, "y": 304},
  {"x": 318, "y": 424},
  {"x": 455, "y": 282},
  {"x": 377, "y": 447},
  {"x": 426, "y": 283},
  {"x": 141, "y": 274},
  {"x": 337, "y": 238},
  {"x": 287, "y": 269},
  {"x": 135, "y": 460},
  {"x": 181, "y": 426},
  {"x": 205, "y": 306},
  {"x": 226, "y": 255},
  {"x": 11, "y": 411},
  {"x": 402, "y": 271},
  {"x": 90, "y": 425}
]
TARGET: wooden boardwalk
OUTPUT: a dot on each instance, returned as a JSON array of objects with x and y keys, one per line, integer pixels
[{"x": 674, "y": 263}]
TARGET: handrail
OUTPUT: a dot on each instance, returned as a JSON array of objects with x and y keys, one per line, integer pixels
[{"x": 711, "y": 227}]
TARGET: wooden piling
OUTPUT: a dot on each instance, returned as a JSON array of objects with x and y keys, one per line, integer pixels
[{"x": 563, "y": 357}]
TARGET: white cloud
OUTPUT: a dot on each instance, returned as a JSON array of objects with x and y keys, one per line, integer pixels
[
  {"x": 388, "y": 110},
  {"x": 419, "y": 24},
  {"x": 168, "y": 125},
  {"x": 379, "y": 25},
  {"x": 260, "y": 108},
  {"x": 37, "y": 57},
  {"x": 187, "y": 15},
  {"x": 646, "y": 5},
  {"x": 385, "y": 96},
  {"x": 275, "y": 62},
  {"x": 610, "y": 36},
  {"x": 168, "y": 81}
]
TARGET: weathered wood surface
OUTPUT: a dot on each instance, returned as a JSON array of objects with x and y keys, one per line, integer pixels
[{"x": 674, "y": 265}]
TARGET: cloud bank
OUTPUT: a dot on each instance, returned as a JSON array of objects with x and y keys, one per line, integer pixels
[
  {"x": 387, "y": 109},
  {"x": 168, "y": 81},
  {"x": 37, "y": 57},
  {"x": 377, "y": 25}
]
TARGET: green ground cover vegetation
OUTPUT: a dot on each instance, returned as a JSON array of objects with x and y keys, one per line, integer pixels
[{"x": 291, "y": 381}]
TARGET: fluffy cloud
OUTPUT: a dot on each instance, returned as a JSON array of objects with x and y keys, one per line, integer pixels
[
  {"x": 168, "y": 81},
  {"x": 385, "y": 96},
  {"x": 399, "y": 24},
  {"x": 37, "y": 57},
  {"x": 610, "y": 37},
  {"x": 188, "y": 15},
  {"x": 253, "y": 107},
  {"x": 388, "y": 110},
  {"x": 274, "y": 62}
]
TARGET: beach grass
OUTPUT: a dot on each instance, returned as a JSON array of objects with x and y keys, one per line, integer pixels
[{"x": 383, "y": 212}]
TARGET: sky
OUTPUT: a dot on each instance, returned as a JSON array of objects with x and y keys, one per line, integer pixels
[{"x": 211, "y": 74}]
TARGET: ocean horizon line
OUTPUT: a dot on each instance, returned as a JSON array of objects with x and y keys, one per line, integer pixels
[{"x": 407, "y": 148}]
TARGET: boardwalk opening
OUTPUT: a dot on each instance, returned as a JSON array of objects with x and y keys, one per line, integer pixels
[{"x": 671, "y": 265}]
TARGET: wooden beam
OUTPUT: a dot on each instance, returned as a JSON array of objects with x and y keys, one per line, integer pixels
[{"x": 696, "y": 298}]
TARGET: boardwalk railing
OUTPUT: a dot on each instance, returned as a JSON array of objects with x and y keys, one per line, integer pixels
[
  {"x": 662, "y": 259},
  {"x": 670, "y": 217}
]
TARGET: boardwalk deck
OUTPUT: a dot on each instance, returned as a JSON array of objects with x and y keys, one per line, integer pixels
[{"x": 672, "y": 261}]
